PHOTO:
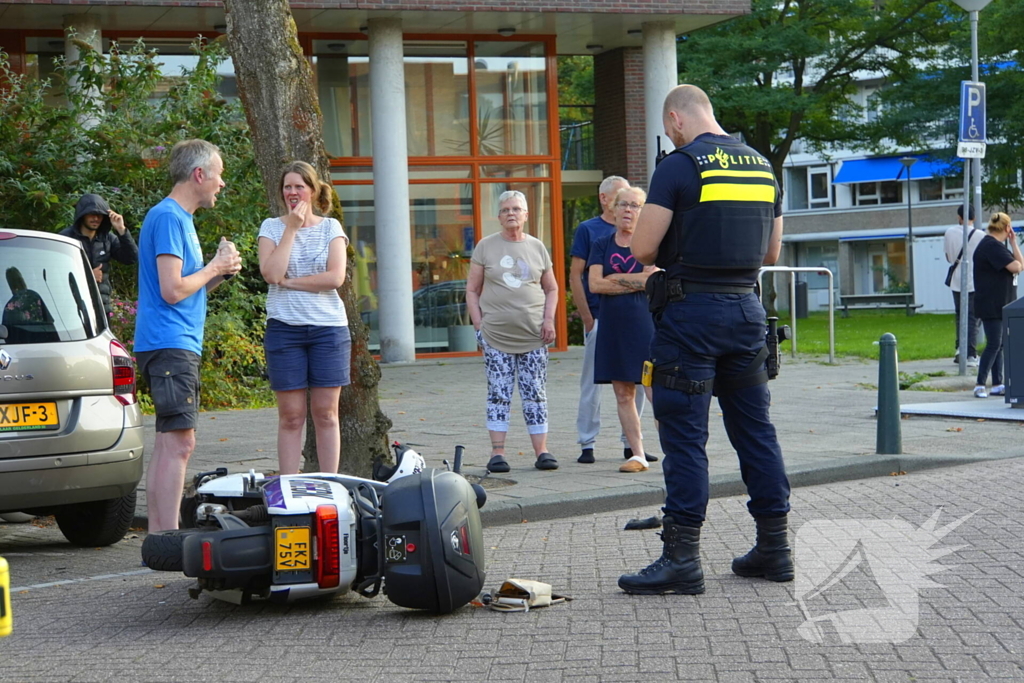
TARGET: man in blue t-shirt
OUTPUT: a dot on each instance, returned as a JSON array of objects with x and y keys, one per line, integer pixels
[
  {"x": 173, "y": 283},
  {"x": 588, "y": 415}
]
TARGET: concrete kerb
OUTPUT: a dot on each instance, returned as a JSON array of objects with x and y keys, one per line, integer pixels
[
  {"x": 824, "y": 413},
  {"x": 559, "y": 506}
]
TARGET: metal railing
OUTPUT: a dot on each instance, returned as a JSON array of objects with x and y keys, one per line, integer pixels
[
  {"x": 576, "y": 130},
  {"x": 792, "y": 270}
]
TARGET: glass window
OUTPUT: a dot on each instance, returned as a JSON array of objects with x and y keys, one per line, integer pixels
[
  {"x": 443, "y": 237},
  {"x": 516, "y": 171},
  {"x": 930, "y": 190},
  {"x": 439, "y": 172},
  {"x": 865, "y": 194},
  {"x": 436, "y": 96},
  {"x": 46, "y": 293},
  {"x": 796, "y": 188},
  {"x": 342, "y": 173},
  {"x": 887, "y": 192},
  {"x": 891, "y": 192},
  {"x": 342, "y": 73},
  {"x": 511, "y": 98},
  {"x": 360, "y": 221},
  {"x": 820, "y": 188},
  {"x": 953, "y": 187},
  {"x": 538, "y": 202},
  {"x": 436, "y": 92}
]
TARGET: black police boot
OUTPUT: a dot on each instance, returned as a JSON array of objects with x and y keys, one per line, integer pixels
[
  {"x": 771, "y": 556},
  {"x": 678, "y": 569}
]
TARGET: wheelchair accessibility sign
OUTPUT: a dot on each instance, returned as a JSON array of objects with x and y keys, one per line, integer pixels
[{"x": 971, "y": 144}]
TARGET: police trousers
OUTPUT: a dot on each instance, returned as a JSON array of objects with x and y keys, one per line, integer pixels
[{"x": 710, "y": 336}]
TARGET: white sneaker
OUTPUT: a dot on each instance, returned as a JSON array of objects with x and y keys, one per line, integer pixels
[
  {"x": 998, "y": 390},
  {"x": 973, "y": 361},
  {"x": 979, "y": 392}
]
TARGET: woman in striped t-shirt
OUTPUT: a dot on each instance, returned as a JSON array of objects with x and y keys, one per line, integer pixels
[{"x": 302, "y": 258}]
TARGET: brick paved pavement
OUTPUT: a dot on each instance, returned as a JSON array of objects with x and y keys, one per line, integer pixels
[{"x": 126, "y": 628}]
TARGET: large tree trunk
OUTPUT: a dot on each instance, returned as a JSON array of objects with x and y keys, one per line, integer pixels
[{"x": 275, "y": 82}]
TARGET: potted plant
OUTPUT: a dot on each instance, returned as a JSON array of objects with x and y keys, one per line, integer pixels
[{"x": 461, "y": 335}]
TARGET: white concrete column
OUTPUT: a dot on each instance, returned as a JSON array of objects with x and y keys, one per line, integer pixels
[
  {"x": 661, "y": 74},
  {"x": 85, "y": 28},
  {"x": 391, "y": 191}
]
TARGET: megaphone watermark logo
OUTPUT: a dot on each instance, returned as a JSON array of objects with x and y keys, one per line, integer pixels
[{"x": 898, "y": 556}]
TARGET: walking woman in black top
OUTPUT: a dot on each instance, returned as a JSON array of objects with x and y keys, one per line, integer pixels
[{"x": 994, "y": 271}]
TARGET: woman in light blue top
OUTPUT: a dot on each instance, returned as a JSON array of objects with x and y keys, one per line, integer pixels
[{"x": 302, "y": 258}]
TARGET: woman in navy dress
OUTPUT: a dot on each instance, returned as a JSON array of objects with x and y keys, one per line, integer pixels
[
  {"x": 626, "y": 329},
  {"x": 995, "y": 268}
]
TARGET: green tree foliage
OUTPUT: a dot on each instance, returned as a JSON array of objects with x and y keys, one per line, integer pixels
[
  {"x": 787, "y": 70},
  {"x": 576, "y": 80},
  {"x": 921, "y": 108},
  {"x": 112, "y": 138}
]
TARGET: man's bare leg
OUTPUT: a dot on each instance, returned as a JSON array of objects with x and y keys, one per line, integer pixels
[{"x": 165, "y": 478}]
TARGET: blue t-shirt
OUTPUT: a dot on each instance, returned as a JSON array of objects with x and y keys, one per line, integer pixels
[
  {"x": 586, "y": 234},
  {"x": 168, "y": 229},
  {"x": 676, "y": 186}
]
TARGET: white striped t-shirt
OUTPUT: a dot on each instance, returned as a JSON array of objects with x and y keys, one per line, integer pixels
[{"x": 308, "y": 257}]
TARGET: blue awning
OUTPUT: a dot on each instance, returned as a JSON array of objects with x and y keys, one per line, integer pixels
[{"x": 889, "y": 168}]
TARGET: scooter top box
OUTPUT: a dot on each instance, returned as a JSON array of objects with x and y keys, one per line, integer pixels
[{"x": 433, "y": 542}]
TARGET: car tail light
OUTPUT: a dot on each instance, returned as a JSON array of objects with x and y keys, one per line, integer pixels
[
  {"x": 207, "y": 556},
  {"x": 124, "y": 373},
  {"x": 327, "y": 548}
]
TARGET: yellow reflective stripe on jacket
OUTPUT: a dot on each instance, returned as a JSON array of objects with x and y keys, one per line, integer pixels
[
  {"x": 735, "y": 192},
  {"x": 739, "y": 174}
]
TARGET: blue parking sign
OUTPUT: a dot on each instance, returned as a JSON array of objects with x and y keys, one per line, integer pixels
[{"x": 972, "y": 111}]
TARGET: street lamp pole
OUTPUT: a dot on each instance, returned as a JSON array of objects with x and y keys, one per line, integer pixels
[
  {"x": 972, "y": 179},
  {"x": 907, "y": 163}
]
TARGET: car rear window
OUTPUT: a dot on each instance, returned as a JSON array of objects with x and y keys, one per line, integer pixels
[{"x": 45, "y": 292}]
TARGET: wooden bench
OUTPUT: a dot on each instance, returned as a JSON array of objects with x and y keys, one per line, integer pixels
[{"x": 850, "y": 302}]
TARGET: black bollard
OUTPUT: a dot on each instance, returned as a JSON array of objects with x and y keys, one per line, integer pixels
[{"x": 889, "y": 440}]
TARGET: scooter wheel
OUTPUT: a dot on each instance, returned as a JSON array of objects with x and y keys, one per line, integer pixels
[{"x": 162, "y": 550}]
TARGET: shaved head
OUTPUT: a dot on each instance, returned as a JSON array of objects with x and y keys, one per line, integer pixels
[
  {"x": 687, "y": 113},
  {"x": 687, "y": 100}
]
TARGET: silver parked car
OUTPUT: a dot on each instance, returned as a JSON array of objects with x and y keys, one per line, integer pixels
[{"x": 70, "y": 424}]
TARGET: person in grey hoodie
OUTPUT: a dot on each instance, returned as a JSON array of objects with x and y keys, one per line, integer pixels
[{"x": 103, "y": 236}]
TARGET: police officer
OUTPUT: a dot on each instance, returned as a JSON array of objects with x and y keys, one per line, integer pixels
[{"x": 713, "y": 217}]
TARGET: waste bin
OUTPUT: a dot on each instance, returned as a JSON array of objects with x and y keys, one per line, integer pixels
[
  {"x": 1013, "y": 353},
  {"x": 801, "y": 299}
]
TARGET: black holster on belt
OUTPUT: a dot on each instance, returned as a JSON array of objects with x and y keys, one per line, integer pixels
[{"x": 657, "y": 291}]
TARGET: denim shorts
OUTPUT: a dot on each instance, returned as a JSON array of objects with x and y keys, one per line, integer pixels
[
  {"x": 301, "y": 356},
  {"x": 173, "y": 379}
]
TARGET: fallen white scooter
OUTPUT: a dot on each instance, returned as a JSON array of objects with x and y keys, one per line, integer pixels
[{"x": 412, "y": 530}]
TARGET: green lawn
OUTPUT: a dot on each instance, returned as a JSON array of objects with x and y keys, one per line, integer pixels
[{"x": 918, "y": 337}]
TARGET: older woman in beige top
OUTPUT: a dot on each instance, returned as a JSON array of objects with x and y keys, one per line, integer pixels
[{"x": 511, "y": 294}]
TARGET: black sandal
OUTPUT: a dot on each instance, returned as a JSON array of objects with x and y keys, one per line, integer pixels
[
  {"x": 546, "y": 461},
  {"x": 498, "y": 464}
]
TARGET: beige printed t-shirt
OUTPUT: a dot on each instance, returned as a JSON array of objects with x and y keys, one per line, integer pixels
[{"x": 512, "y": 301}]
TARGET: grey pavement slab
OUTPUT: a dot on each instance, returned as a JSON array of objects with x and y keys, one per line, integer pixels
[
  {"x": 824, "y": 415},
  {"x": 992, "y": 408},
  {"x": 967, "y": 626}
]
